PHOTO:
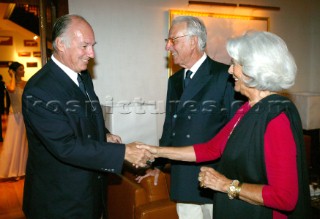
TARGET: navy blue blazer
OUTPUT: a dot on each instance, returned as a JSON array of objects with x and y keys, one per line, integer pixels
[
  {"x": 68, "y": 155},
  {"x": 195, "y": 115}
]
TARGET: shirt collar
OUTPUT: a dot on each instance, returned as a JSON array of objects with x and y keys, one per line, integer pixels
[
  {"x": 196, "y": 65},
  {"x": 72, "y": 74}
]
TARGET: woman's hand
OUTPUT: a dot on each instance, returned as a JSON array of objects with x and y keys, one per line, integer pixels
[
  {"x": 11, "y": 73},
  {"x": 152, "y": 149},
  {"x": 210, "y": 178}
]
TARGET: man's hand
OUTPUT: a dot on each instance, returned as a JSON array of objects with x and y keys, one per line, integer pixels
[
  {"x": 138, "y": 157},
  {"x": 113, "y": 138},
  {"x": 150, "y": 172}
]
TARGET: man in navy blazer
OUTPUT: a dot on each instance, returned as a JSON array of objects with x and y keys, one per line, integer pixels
[
  {"x": 195, "y": 112},
  {"x": 70, "y": 150}
]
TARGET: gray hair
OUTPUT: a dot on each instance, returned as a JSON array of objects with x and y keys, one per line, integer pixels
[
  {"x": 195, "y": 27},
  {"x": 60, "y": 28},
  {"x": 265, "y": 58}
]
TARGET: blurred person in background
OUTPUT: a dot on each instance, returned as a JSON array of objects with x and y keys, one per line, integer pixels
[
  {"x": 2, "y": 105},
  {"x": 14, "y": 155}
]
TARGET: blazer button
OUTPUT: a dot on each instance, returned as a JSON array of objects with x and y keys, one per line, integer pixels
[
  {"x": 189, "y": 117},
  {"x": 173, "y": 134},
  {"x": 188, "y": 136},
  {"x": 175, "y": 116},
  {"x": 89, "y": 136}
]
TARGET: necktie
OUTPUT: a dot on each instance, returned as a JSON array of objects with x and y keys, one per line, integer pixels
[
  {"x": 187, "y": 78},
  {"x": 84, "y": 91},
  {"x": 81, "y": 85}
]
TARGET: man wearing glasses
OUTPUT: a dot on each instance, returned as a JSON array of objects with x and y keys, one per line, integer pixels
[{"x": 199, "y": 100}]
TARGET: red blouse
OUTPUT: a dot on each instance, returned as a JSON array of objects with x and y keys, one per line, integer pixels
[{"x": 280, "y": 156}]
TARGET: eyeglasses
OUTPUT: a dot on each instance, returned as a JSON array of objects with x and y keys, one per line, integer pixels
[{"x": 172, "y": 40}]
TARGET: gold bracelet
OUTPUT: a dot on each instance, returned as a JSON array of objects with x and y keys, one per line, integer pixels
[
  {"x": 238, "y": 189},
  {"x": 234, "y": 189}
]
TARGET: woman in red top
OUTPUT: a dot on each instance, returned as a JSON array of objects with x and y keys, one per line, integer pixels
[{"x": 262, "y": 171}]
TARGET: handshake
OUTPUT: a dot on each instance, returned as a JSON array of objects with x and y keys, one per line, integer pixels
[{"x": 140, "y": 154}]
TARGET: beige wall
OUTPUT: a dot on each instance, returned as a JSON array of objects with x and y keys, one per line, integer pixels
[
  {"x": 314, "y": 33},
  {"x": 10, "y": 53},
  {"x": 130, "y": 50},
  {"x": 130, "y": 61}
]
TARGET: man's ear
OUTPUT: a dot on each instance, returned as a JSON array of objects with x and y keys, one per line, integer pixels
[
  {"x": 60, "y": 44},
  {"x": 194, "y": 41}
]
